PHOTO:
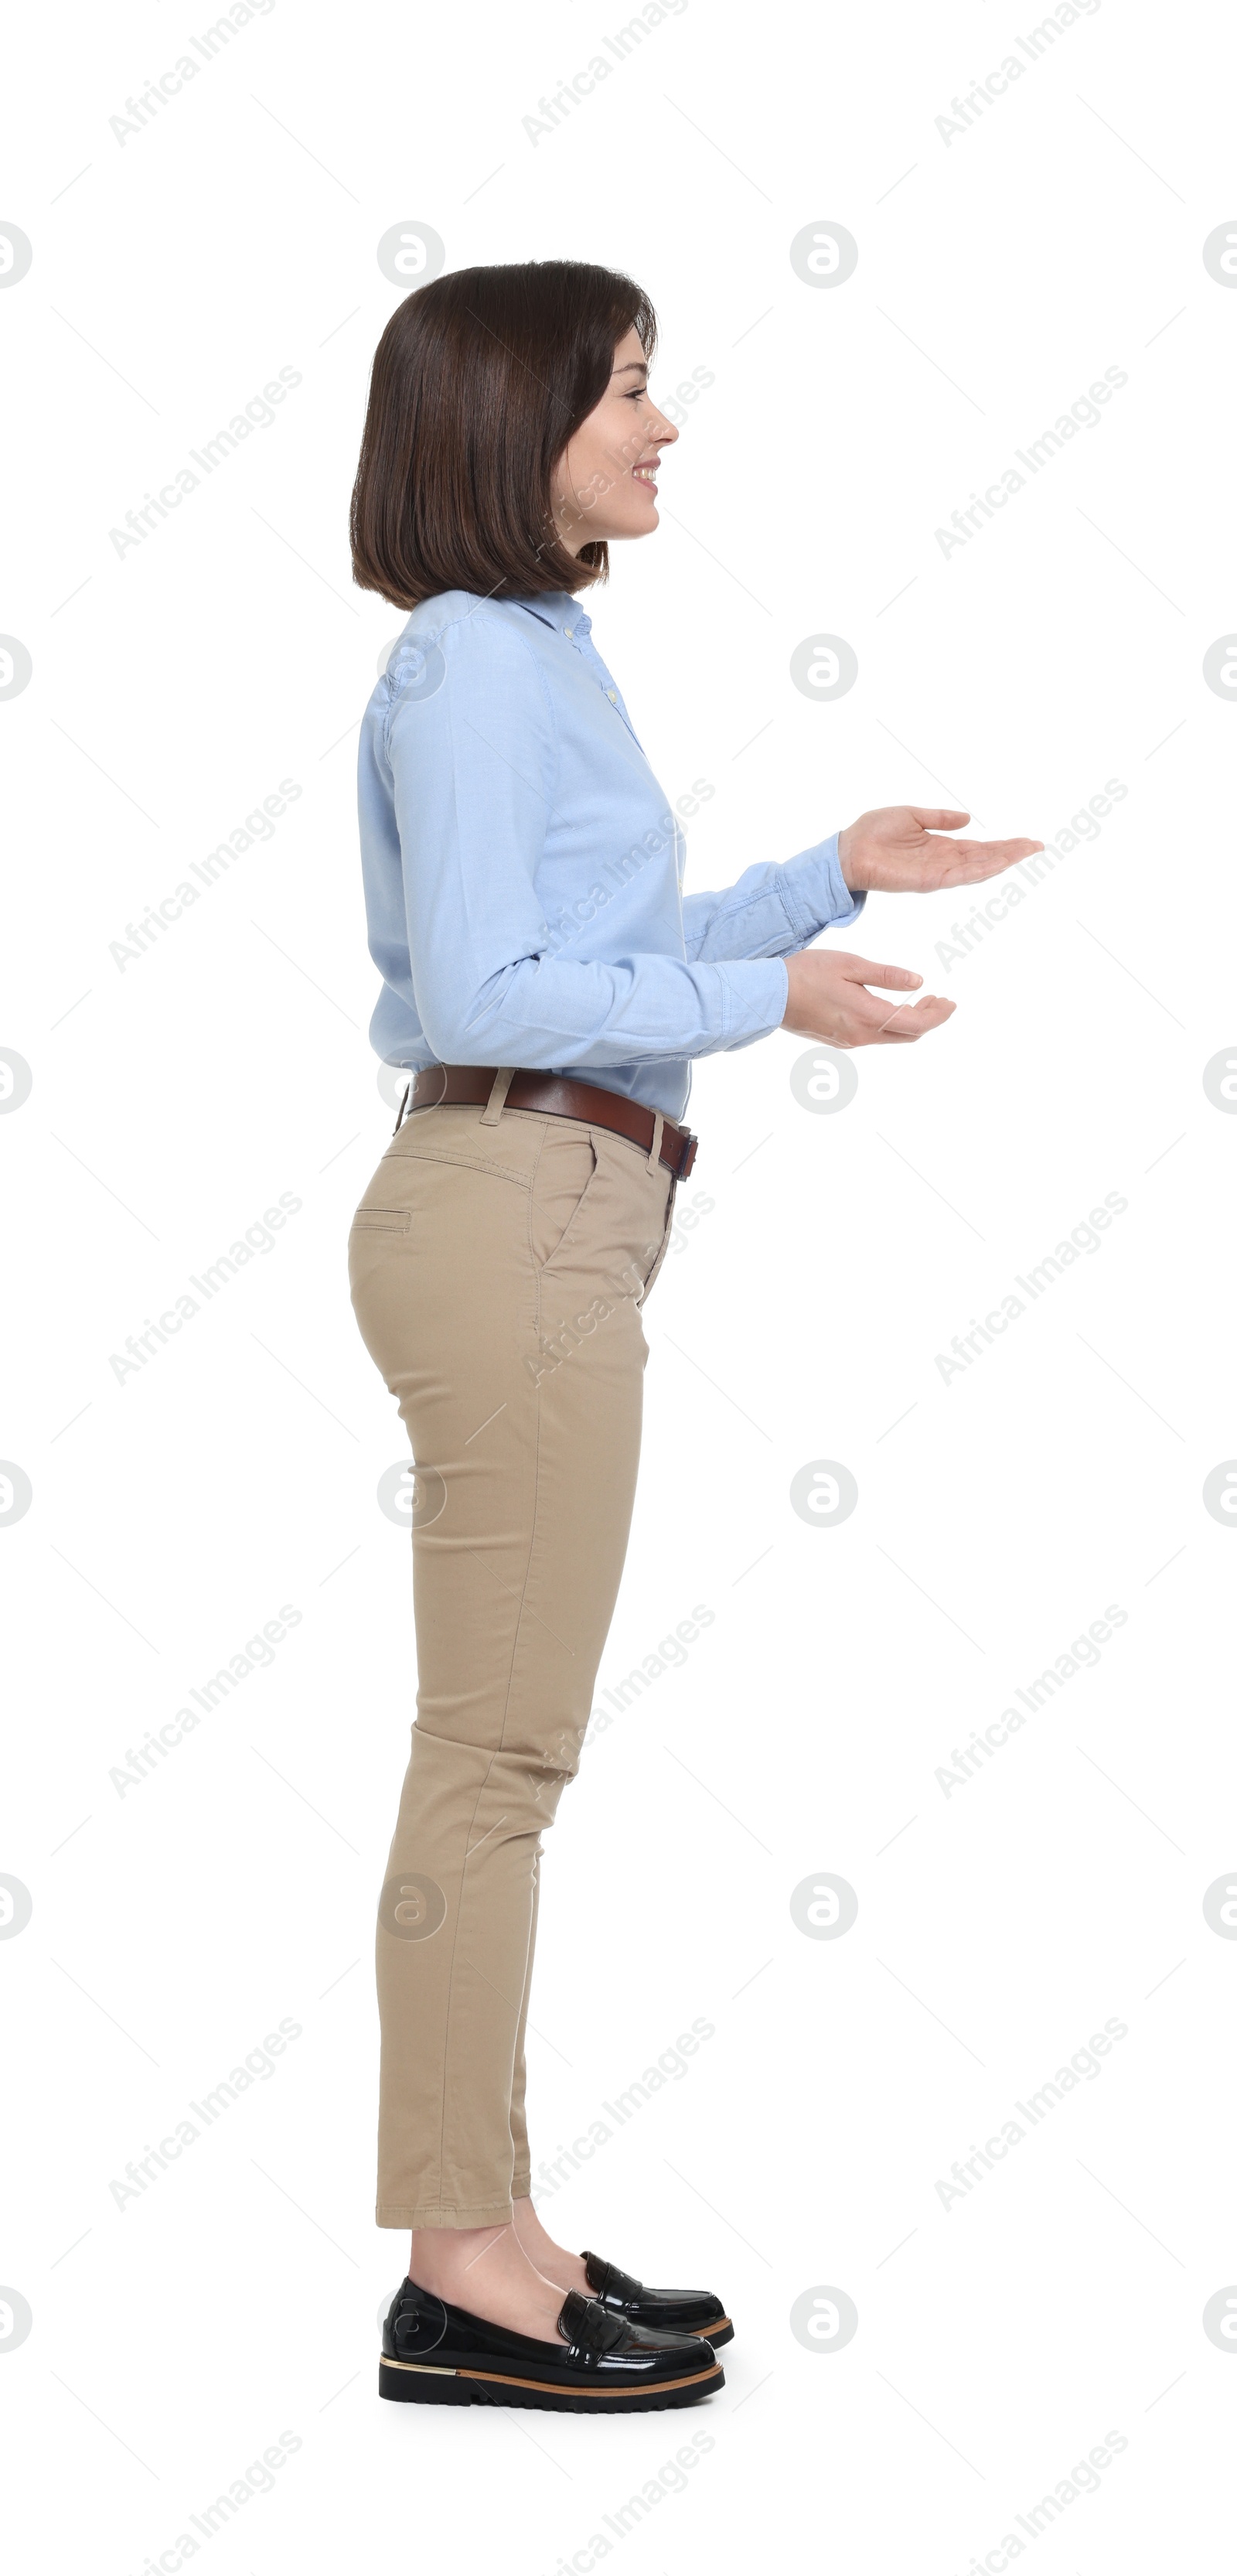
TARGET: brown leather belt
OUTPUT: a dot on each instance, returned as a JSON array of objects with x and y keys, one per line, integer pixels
[{"x": 452, "y": 1086}]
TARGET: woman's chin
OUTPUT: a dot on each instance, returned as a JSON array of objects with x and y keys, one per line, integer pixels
[{"x": 637, "y": 518}]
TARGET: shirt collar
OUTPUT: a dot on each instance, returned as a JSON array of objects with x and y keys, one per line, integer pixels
[{"x": 556, "y": 608}]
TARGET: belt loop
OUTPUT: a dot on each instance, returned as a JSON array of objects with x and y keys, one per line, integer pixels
[
  {"x": 402, "y": 1107},
  {"x": 499, "y": 1089},
  {"x": 655, "y": 1147}
]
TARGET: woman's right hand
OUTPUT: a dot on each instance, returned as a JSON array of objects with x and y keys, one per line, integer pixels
[{"x": 829, "y": 1000}]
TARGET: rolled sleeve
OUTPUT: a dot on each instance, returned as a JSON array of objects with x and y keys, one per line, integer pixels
[
  {"x": 773, "y": 907},
  {"x": 817, "y": 891}
]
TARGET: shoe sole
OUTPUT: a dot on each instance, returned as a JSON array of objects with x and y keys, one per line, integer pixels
[{"x": 425, "y": 2384}]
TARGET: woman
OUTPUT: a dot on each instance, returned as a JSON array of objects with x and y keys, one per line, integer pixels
[{"x": 547, "y": 987}]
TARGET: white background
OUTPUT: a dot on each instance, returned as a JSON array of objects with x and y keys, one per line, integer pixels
[{"x": 1000, "y": 272}]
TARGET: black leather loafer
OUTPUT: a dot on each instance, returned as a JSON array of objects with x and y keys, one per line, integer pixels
[
  {"x": 685, "y": 2312},
  {"x": 437, "y": 2355}
]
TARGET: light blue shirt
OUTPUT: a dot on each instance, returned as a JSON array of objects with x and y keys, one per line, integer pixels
[{"x": 523, "y": 868}]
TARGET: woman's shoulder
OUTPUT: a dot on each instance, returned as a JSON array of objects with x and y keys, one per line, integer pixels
[{"x": 464, "y": 632}]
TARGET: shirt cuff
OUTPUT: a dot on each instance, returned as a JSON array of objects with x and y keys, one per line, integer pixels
[
  {"x": 754, "y": 996},
  {"x": 816, "y": 893}
]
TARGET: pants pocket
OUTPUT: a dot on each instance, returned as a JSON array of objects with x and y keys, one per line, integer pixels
[
  {"x": 565, "y": 1172},
  {"x": 663, "y": 1246}
]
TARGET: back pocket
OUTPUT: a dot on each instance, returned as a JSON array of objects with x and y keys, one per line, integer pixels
[{"x": 381, "y": 1220}]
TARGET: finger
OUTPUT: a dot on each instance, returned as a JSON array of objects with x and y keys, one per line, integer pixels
[
  {"x": 915, "y": 1019},
  {"x": 1004, "y": 851},
  {"x": 965, "y": 862},
  {"x": 945, "y": 818},
  {"x": 894, "y": 979},
  {"x": 868, "y": 1014}
]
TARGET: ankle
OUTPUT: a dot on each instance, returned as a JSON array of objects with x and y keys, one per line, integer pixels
[
  {"x": 553, "y": 2261},
  {"x": 486, "y": 2272},
  {"x": 441, "y": 2259},
  {"x": 526, "y": 2222}
]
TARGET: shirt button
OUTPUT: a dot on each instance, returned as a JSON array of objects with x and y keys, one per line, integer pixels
[
  {"x": 569, "y": 630},
  {"x": 612, "y": 697}
]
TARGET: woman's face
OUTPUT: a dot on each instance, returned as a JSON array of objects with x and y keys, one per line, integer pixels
[{"x": 603, "y": 482}]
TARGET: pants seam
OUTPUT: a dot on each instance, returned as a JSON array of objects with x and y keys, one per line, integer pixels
[{"x": 497, "y": 1749}]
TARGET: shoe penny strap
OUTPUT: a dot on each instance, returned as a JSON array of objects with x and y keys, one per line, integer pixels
[
  {"x": 588, "y": 2326},
  {"x": 609, "y": 2282}
]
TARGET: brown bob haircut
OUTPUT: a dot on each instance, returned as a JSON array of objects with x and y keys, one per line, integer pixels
[{"x": 479, "y": 381}]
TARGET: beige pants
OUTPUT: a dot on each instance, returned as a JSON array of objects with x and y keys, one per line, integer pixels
[{"x": 498, "y": 1261}]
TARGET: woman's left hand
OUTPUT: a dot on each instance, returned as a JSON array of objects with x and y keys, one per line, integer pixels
[{"x": 895, "y": 850}]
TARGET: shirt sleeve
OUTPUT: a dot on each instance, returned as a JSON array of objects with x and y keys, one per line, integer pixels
[
  {"x": 473, "y": 751},
  {"x": 772, "y": 908}
]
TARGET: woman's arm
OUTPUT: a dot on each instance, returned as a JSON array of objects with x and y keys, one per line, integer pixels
[
  {"x": 474, "y": 763},
  {"x": 772, "y": 908}
]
